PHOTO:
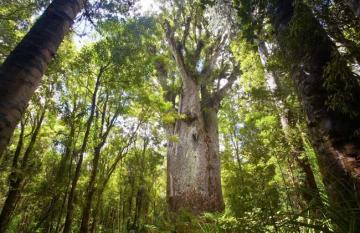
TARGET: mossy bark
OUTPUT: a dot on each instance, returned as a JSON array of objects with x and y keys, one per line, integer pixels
[{"x": 333, "y": 128}]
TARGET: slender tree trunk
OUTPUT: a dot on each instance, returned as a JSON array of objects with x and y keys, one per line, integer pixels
[
  {"x": 58, "y": 184},
  {"x": 333, "y": 132},
  {"x": 96, "y": 211},
  {"x": 140, "y": 199},
  {"x": 84, "y": 228},
  {"x": 312, "y": 192},
  {"x": 70, "y": 204},
  {"x": 9, "y": 204},
  {"x": 22, "y": 70},
  {"x": 11, "y": 196},
  {"x": 130, "y": 198},
  {"x": 139, "y": 203},
  {"x": 91, "y": 189},
  {"x": 112, "y": 168},
  {"x": 47, "y": 214},
  {"x": 16, "y": 177},
  {"x": 194, "y": 164}
]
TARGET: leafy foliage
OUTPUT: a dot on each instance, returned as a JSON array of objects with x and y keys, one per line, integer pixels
[{"x": 264, "y": 140}]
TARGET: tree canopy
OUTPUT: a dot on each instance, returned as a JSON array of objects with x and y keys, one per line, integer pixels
[{"x": 198, "y": 116}]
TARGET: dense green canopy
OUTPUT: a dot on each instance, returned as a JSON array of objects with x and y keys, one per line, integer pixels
[{"x": 269, "y": 88}]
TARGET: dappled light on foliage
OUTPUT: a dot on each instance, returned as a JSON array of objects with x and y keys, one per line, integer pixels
[{"x": 195, "y": 116}]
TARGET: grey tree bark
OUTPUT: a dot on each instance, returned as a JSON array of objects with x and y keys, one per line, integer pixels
[{"x": 193, "y": 159}]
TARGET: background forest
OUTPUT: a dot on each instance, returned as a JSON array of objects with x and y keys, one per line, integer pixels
[{"x": 116, "y": 115}]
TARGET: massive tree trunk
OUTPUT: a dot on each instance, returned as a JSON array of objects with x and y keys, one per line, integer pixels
[
  {"x": 333, "y": 132},
  {"x": 21, "y": 72},
  {"x": 193, "y": 162}
]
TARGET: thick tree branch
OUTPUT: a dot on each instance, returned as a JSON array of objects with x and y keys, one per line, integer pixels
[
  {"x": 213, "y": 56},
  {"x": 199, "y": 47},
  {"x": 175, "y": 48},
  {"x": 221, "y": 93},
  {"x": 186, "y": 33}
]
